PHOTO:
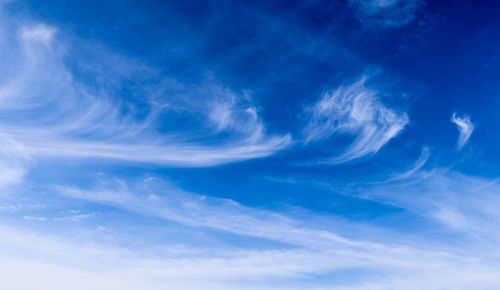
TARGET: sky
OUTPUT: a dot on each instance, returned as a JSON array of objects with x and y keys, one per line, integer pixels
[{"x": 249, "y": 144}]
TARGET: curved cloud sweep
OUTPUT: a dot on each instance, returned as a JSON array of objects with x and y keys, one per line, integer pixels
[
  {"x": 465, "y": 127},
  {"x": 49, "y": 112},
  {"x": 354, "y": 109}
]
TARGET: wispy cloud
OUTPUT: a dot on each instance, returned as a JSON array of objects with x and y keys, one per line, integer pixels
[
  {"x": 354, "y": 109},
  {"x": 465, "y": 128},
  {"x": 422, "y": 159},
  {"x": 14, "y": 160},
  {"x": 49, "y": 113},
  {"x": 67, "y": 222},
  {"x": 386, "y": 13},
  {"x": 34, "y": 218},
  {"x": 462, "y": 203},
  {"x": 306, "y": 248}
]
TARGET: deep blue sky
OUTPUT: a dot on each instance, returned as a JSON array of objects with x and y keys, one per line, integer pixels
[{"x": 249, "y": 144}]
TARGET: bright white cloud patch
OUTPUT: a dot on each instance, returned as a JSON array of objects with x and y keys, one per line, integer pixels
[
  {"x": 354, "y": 109},
  {"x": 465, "y": 128}
]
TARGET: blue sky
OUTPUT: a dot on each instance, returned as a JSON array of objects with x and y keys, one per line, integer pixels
[{"x": 249, "y": 144}]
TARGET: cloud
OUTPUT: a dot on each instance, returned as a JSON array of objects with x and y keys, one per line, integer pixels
[
  {"x": 14, "y": 161},
  {"x": 461, "y": 203},
  {"x": 385, "y": 13},
  {"x": 307, "y": 245},
  {"x": 41, "y": 33},
  {"x": 34, "y": 218},
  {"x": 354, "y": 109},
  {"x": 422, "y": 159},
  {"x": 50, "y": 112},
  {"x": 465, "y": 127}
]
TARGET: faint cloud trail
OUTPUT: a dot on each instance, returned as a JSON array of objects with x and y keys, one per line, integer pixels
[
  {"x": 465, "y": 128},
  {"x": 385, "y": 13}
]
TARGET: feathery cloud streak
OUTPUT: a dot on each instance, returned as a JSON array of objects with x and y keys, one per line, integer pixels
[
  {"x": 50, "y": 113},
  {"x": 307, "y": 247},
  {"x": 72, "y": 221},
  {"x": 462, "y": 203},
  {"x": 465, "y": 128},
  {"x": 422, "y": 159},
  {"x": 354, "y": 109}
]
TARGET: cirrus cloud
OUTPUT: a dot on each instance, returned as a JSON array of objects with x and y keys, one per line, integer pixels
[
  {"x": 354, "y": 109},
  {"x": 465, "y": 128}
]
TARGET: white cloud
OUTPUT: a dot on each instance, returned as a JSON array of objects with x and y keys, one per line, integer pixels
[
  {"x": 308, "y": 248},
  {"x": 385, "y": 13},
  {"x": 61, "y": 118},
  {"x": 236, "y": 114},
  {"x": 465, "y": 127},
  {"x": 41, "y": 33},
  {"x": 34, "y": 218},
  {"x": 422, "y": 159},
  {"x": 464, "y": 204},
  {"x": 354, "y": 109},
  {"x": 14, "y": 160},
  {"x": 49, "y": 113}
]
